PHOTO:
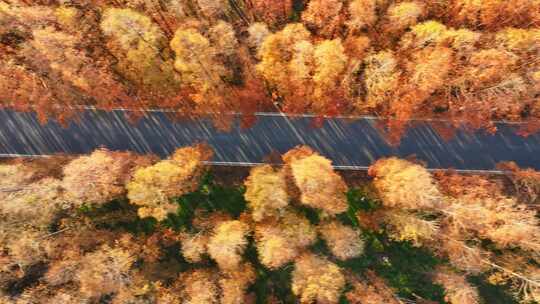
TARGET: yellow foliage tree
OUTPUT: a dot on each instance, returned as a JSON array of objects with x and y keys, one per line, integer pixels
[
  {"x": 276, "y": 51},
  {"x": 306, "y": 75},
  {"x": 425, "y": 34},
  {"x": 382, "y": 76},
  {"x": 201, "y": 64},
  {"x": 266, "y": 192},
  {"x": 330, "y": 63},
  {"x": 405, "y": 226},
  {"x": 141, "y": 49},
  {"x": 403, "y": 15},
  {"x": 153, "y": 186}
]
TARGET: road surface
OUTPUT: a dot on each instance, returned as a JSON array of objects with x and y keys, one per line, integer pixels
[{"x": 350, "y": 144}]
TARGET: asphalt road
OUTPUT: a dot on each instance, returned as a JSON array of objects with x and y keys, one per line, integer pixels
[{"x": 350, "y": 144}]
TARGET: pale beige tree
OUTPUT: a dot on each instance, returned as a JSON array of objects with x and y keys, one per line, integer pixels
[
  {"x": 362, "y": 14},
  {"x": 258, "y": 32},
  {"x": 370, "y": 290},
  {"x": 235, "y": 283},
  {"x": 458, "y": 290},
  {"x": 100, "y": 177},
  {"x": 213, "y": 9},
  {"x": 343, "y": 241},
  {"x": 37, "y": 204},
  {"x": 104, "y": 271},
  {"x": 199, "y": 286},
  {"x": 194, "y": 246},
  {"x": 404, "y": 185},
  {"x": 317, "y": 280},
  {"x": 319, "y": 185},
  {"x": 281, "y": 240},
  {"x": 227, "y": 244}
]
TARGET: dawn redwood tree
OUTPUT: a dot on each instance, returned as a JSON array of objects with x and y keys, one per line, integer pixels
[
  {"x": 362, "y": 15},
  {"x": 343, "y": 241},
  {"x": 494, "y": 14},
  {"x": 272, "y": 12},
  {"x": 207, "y": 64},
  {"x": 400, "y": 16},
  {"x": 275, "y": 53},
  {"x": 315, "y": 279},
  {"x": 214, "y": 9},
  {"x": 324, "y": 17},
  {"x": 38, "y": 203},
  {"x": 458, "y": 290},
  {"x": 459, "y": 219},
  {"x": 370, "y": 290},
  {"x": 257, "y": 34},
  {"x": 381, "y": 79},
  {"x": 526, "y": 182},
  {"x": 297, "y": 251},
  {"x": 104, "y": 271},
  {"x": 235, "y": 284},
  {"x": 227, "y": 244},
  {"x": 281, "y": 239},
  {"x": 142, "y": 52},
  {"x": 196, "y": 60},
  {"x": 152, "y": 187},
  {"x": 330, "y": 64},
  {"x": 318, "y": 184},
  {"x": 59, "y": 54},
  {"x": 307, "y": 76},
  {"x": 23, "y": 90},
  {"x": 394, "y": 180},
  {"x": 101, "y": 176},
  {"x": 266, "y": 192}
]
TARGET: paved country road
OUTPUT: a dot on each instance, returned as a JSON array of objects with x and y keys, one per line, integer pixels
[{"x": 350, "y": 144}]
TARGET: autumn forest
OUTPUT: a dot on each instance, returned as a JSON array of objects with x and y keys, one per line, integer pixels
[
  {"x": 466, "y": 61},
  {"x": 118, "y": 227}
]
